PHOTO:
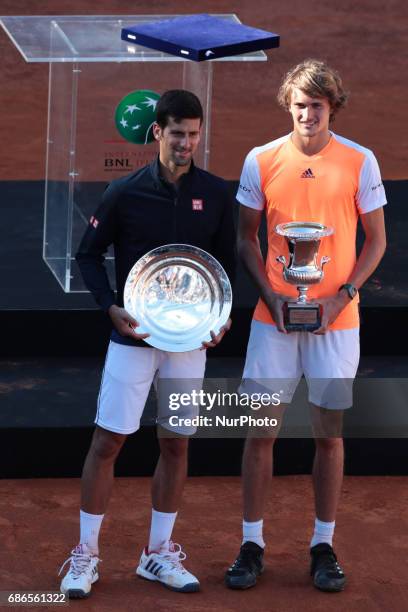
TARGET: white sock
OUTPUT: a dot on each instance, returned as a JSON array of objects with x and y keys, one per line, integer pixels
[
  {"x": 160, "y": 530},
  {"x": 323, "y": 533},
  {"x": 252, "y": 532},
  {"x": 90, "y": 525}
]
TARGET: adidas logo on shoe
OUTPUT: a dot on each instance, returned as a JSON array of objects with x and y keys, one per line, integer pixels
[
  {"x": 307, "y": 174},
  {"x": 165, "y": 566}
]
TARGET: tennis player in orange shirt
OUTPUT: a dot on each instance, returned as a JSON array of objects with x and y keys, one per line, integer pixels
[{"x": 311, "y": 174}]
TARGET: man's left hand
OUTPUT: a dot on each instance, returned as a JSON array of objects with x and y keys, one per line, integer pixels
[
  {"x": 216, "y": 338},
  {"x": 331, "y": 308}
]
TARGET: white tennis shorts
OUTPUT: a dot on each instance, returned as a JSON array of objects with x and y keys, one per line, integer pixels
[
  {"x": 329, "y": 362},
  {"x": 127, "y": 377}
]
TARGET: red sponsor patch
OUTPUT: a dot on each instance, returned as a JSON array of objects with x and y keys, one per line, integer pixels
[
  {"x": 197, "y": 204},
  {"x": 94, "y": 222}
]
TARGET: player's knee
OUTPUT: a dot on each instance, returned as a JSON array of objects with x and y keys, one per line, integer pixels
[
  {"x": 106, "y": 445},
  {"x": 329, "y": 445},
  {"x": 260, "y": 445},
  {"x": 174, "y": 449}
]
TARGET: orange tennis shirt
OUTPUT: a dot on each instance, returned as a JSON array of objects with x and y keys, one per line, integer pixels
[{"x": 333, "y": 187}]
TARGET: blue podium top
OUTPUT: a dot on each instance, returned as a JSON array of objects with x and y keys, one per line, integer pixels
[{"x": 200, "y": 37}]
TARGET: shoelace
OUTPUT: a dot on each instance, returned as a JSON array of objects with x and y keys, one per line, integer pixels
[
  {"x": 79, "y": 562},
  {"x": 328, "y": 561},
  {"x": 245, "y": 557},
  {"x": 175, "y": 555}
]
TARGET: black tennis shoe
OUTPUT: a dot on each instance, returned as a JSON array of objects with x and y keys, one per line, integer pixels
[
  {"x": 327, "y": 573},
  {"x": 246, "y": 568}
]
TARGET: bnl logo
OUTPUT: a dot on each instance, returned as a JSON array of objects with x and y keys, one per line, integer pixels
[{"x": 117, "y": 162}]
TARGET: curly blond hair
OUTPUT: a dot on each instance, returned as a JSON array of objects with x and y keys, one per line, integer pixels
[{"x": 317, "y": 80}]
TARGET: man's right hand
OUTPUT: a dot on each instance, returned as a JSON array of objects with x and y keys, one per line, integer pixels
[
  {"x": 275, "y": 302},
  {"x": 124, "y": 323}
]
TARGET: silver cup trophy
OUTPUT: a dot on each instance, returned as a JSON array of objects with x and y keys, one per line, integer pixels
[{"x": 303, "y": 239}]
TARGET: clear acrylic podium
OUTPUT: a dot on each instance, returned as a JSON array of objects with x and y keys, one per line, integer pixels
[{"x": 90, "y": 70}]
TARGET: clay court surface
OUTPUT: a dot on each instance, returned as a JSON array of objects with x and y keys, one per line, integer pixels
[{"x": 39, "y": 525}]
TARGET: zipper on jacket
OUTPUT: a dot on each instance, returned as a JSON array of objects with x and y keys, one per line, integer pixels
[{"x": 175, "y": 202}]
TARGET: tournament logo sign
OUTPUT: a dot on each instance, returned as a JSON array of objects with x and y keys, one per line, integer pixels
[{"x": 135, "y": 115}]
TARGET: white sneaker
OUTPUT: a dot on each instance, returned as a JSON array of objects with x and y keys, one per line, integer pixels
[
  {"x": 166, "y": 567},
  {"x": 82, "y": 573}
]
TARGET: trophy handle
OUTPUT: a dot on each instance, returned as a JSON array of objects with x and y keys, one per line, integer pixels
[
  {"x": 281, "y": 259},
  {"x": 324, "y": 260}
]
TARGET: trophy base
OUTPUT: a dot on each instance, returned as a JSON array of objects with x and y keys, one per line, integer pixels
[{"x": 301, "y": 317}]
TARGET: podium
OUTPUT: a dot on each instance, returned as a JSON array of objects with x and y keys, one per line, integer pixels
[{"x": 90, "y": 70}]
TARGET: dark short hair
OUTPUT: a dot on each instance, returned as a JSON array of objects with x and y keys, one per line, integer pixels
[{"x": 179, "y": 104}]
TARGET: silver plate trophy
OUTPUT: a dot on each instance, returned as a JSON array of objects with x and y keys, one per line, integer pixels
[
  {"x": 303, "y": 240},
  {"x": 178, "y": 293}
]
